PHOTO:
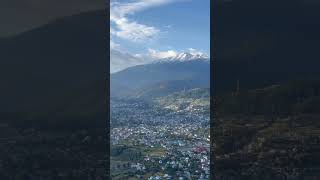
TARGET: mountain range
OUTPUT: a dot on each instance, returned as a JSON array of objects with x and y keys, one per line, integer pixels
[{"x": 162, "y": 77}]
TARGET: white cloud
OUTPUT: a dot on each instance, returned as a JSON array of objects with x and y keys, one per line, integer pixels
[
  {"x": 154, "y": 54},
  {"x": 112, "y": 31},
  {"x": 129, "y": 29},
  {"x": 122, "y": 60},
  {"x": 197, "y": 52},
  {"x": 134, "y": 31},
  {"x": 114, "y": 45},
  {"x": 123, "y": 9}
]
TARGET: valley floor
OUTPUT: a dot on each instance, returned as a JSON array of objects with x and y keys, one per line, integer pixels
[{"x": 162, "y": 145}]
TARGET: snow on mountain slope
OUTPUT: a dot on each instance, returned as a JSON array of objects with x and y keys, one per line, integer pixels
[{"x": 185, "y": 56}]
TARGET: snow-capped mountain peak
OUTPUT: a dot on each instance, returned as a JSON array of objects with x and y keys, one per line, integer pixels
[{"x": 186, "y": 56}]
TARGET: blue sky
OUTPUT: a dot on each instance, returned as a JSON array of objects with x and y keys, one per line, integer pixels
[{"x": 145, "y": 30}]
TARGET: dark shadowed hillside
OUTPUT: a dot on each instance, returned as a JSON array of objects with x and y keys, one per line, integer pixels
[
  {"x": 53, "y": 100},
  {"x": 266, "y": 83},
  {"x": 265, "y": 42},
  {"x": 269, "y": 133},
  {"x": 287, "y": 99},
  {"x": 56, "y": 71}
]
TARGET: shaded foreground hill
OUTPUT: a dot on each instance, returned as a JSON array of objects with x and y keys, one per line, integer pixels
[
  {"x": 264, "y": 43},
  {"x": 53, "y": 100},
  {"x": 269, "y": 127},
  {"x": 268, "y": 133},
  {"x": 52, "y": 73},
  {"x": 287, "y": 99}
]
